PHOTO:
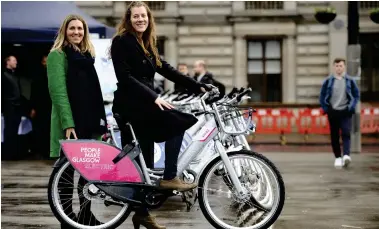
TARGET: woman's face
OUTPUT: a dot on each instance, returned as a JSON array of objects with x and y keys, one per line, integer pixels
[
  {"x": 75, "y": 32},
  {"x": 139, "y": 19}
]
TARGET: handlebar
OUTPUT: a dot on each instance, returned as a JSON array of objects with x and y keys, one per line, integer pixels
[{"x": 239, "y": 97}]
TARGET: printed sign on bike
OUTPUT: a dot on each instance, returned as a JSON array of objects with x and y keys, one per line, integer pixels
[{"x": 93, "y": 160}]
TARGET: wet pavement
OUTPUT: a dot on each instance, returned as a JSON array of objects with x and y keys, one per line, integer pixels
[{"x": 317, "y": 195}]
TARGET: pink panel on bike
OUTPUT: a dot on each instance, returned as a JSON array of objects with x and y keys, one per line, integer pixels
[{"x": 93, "y": 159}]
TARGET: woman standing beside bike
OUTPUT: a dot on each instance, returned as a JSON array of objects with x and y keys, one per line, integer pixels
[
  {"x": 77, "y": 104},
  {"x": 136, "y": 60}
]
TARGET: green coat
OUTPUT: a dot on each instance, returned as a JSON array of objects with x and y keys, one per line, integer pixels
[{"x": 61, "y": 115}]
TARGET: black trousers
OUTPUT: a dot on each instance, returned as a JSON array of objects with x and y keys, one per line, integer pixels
[
  {"x": 11, "y": 148},
  {"x": 172, "y": 150},
  {"x": 41, "y": 134},
  {"x": 340, "y": 122}
]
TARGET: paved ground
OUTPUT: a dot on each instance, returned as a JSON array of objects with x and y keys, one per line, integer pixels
[
  {"x": 299, "y": 139},
  {"x": 318, "y": 196}
]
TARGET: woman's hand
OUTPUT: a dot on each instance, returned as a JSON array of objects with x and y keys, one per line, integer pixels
[
  {"x": 206, "y": 87},
  {"x": 161, "y": 103},
  {"x": 70, "y": 131}
]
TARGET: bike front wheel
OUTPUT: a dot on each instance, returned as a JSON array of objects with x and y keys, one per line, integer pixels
[
  {"x": 76, "y": 203},
  {"x": 261, "y": 202}
]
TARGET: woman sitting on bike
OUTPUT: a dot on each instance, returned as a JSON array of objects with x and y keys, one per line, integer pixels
[
  {"x": 77, "y": 103},
  {"x": 136, "y": 60}
]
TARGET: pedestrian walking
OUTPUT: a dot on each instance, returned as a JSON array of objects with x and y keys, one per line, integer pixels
[{"x": 338, "y": 98}]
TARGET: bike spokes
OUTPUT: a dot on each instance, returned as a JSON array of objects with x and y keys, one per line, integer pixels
[
  {"x": 82, "y": 204},
  {"x": 249, "y": 209}
]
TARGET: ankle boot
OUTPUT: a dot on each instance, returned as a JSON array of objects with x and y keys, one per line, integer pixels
[
  {"x": 146, "y": 221},
  {"x": 176, "y": 184}
]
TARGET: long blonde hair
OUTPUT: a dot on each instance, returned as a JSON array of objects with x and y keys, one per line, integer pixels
[
  {"x": 149, "y": 38},
  {"x": 61, "y": 40}
]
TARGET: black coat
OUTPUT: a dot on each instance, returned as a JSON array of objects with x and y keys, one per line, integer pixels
[
  {"x": 135, "y": 97},
  {"x": 209, "y": 79}
]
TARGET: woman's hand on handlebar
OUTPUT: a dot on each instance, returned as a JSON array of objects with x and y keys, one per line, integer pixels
[
  {"x": 70, "y": 131},
  {"x": 206, "y": 87},
  {"x": 161, "y": 103}
]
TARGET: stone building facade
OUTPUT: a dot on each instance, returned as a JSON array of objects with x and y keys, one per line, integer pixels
[{"x": 276, "y": 47}]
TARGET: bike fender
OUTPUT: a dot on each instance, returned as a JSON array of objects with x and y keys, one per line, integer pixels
[{"x": 56, "y": 163}]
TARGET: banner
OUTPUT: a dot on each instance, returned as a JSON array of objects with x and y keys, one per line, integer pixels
[{"x": 104, "y": 68}]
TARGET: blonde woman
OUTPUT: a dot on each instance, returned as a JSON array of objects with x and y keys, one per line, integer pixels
[{"x": 77, "y": 103}]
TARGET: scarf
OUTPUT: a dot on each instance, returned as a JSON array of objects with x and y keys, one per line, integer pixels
[{"x": 84, "y": 93}]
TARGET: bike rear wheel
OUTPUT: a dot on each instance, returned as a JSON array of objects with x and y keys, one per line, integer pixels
[
  {"x": 61, "y": 193},
  {"x": 259, "y": 208}
]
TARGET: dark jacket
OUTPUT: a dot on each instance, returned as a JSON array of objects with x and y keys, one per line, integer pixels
[
  {"x": 40, "y": 96},
  {"x": 10, "y": 90},
  {"x": 135, "y": 97},
  {"x": 352, "y": 92},
  {"x": 180, "y": 88},
  {"x": 209, "y": 79}
]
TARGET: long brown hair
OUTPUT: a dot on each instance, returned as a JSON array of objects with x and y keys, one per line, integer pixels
[
  {"x": 62, "y": 41},
  {"x": 149, "y": 38}
]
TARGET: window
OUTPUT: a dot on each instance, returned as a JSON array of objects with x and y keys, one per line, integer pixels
[
  {"x": 370, "y": 69},
  {"x": 264, "y": 70},
  {"x": 264, "y": 5},
  {"x": 156, "y": 5},
  {"x": 368, "y": 5},
  {"x": 160, "y": 45}
]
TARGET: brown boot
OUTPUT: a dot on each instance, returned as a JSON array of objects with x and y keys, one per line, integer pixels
[
  {"x": 176, "y": 184},
  {"x": 146, "y": 221}
]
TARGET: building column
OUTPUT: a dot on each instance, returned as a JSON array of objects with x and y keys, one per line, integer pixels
[
  {"x": 171, "y": 56},
  {"x": 240, "y": 62},
  {"x": 289, "y": 70}
]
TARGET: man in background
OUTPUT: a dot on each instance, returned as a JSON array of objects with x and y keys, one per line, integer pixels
[
  {"x": 338, "y": 98},
  {"x": 203, "y": 76},
  {"x": 41, "y": 111},
  {"x": 11, "y": 108},
  {"x": 182, "y": 68}
]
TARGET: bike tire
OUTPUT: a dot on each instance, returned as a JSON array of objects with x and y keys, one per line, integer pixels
[
  {"x": 207, "y": 169},
  {"x": 50, "y": 194}
]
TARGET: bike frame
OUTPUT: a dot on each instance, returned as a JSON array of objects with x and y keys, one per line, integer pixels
[
  {"x": 210, "y": 131},
  {"x": 195, "y": 155}
]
